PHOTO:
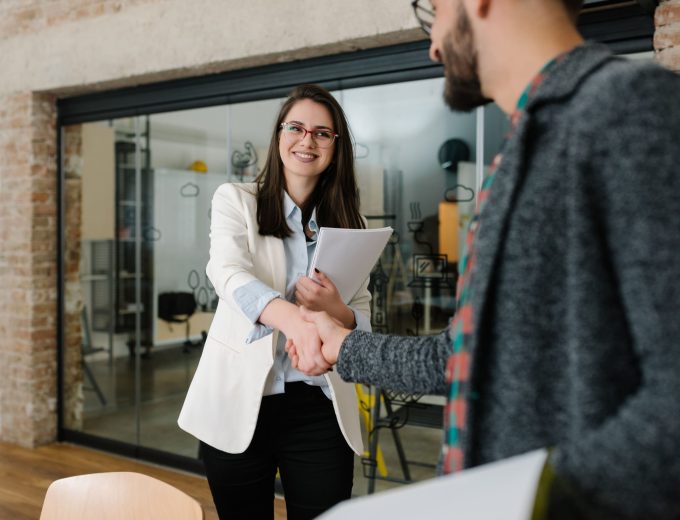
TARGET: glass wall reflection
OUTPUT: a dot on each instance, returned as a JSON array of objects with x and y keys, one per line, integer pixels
[{"x": 138, "y": 192}]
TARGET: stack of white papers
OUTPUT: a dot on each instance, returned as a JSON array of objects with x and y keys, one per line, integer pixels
[
  {"x": 347, "y": 256},
  {"x": 502, "y": 490}
]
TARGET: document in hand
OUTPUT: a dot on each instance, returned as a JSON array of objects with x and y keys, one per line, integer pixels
[
  {"x": 505, "y": 489},
  {"x": 347, "y": 256}
]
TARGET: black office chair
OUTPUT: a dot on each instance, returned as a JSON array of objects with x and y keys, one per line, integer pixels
[{"x": 179, "y": 307}]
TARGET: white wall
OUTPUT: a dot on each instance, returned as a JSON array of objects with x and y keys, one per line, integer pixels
[{"x": 129, "y": 42}]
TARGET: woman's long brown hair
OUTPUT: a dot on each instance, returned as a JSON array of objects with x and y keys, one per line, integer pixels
[{"x": 335, "y": 197}]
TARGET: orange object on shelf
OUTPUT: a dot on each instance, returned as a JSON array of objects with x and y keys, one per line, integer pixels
[
  {"x": 199, "y": 166},
  {"x": 449, "y": 219}
]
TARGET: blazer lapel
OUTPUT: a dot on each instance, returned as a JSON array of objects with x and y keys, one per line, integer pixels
[{"x": 277, "y": 258}]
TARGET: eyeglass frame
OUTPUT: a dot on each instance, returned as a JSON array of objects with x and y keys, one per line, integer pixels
[
  {"x": 425, "y": 25},
  {"x": 311, "y": 132}
]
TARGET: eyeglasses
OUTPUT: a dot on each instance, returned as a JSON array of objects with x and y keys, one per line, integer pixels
[
  {"x": 425, "y": 16},
  {"x": 295, "y": 132}
]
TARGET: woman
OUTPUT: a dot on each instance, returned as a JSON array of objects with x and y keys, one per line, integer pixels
[{"x": 252, "y": 411}]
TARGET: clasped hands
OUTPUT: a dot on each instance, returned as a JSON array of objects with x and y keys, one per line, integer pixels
[{"x": 314, "y": 345}]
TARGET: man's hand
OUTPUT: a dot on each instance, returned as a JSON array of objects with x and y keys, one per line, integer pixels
[
  {"x": 309, "y": 357},
  {"x": 285, "y": 316},
  {"x": 330, "y": 331}
]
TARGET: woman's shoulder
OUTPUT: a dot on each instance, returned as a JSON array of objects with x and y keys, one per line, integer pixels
[{"x": 237, "y": 190}]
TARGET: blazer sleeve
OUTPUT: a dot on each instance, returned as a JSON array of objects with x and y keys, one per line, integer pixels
[
  {"x": 231, "y": 263},
  {"x": 361, "y": 306}
]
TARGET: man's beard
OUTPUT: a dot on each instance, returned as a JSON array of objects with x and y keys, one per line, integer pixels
[{"x": 463, "y": 90}]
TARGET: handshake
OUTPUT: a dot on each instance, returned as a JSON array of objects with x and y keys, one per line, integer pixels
[{"x": 314, "y": 340}]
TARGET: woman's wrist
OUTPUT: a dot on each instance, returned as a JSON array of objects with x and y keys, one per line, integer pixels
[
  {"x": 347, "y": 317},
  {"x": 282, "y": 315}
]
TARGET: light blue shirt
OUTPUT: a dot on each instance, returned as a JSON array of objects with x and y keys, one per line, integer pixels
[{"x": 253, "y": 297}]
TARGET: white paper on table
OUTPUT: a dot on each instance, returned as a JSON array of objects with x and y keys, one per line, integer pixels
[
  {"x": 347, "y": 256},
  {"x": 505, "y": 489}
]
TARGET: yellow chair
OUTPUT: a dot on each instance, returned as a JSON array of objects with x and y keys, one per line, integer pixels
[
  {"x": 366, "y": 407},
  {"x": 109, "y": 496}
]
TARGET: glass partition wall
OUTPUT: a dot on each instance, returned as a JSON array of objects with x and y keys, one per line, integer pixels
[{"x": 137, "y": 193}]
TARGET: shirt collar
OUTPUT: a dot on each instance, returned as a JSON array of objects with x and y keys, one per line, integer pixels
[
  {"x": 289, "y": 209},
  {"x": 289, "y": 206},
  {"x": 533, "y": 85}
]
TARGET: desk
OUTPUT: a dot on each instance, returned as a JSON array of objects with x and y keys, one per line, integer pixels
[{"x": 167, "y": 333}]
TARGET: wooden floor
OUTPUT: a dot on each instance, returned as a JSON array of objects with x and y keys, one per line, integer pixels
[{"x": 25, "y": 475}]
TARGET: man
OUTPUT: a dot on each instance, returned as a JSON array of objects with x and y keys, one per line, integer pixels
[{"x": 566, "y": 333}]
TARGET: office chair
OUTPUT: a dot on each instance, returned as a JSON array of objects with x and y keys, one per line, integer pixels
[
  {"x": 179, "y": 307},
  {"x": 109, "y": 496}
]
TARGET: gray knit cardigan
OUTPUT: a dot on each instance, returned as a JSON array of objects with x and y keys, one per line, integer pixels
[{"x": 576, "y": 293}]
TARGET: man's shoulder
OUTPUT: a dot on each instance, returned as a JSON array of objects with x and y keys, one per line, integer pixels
[
  {"x": 620, "y": 89},
  {"x": 619, "y": 81}
]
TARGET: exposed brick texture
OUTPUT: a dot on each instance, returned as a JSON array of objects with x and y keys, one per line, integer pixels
[
  {"x": 28, "y": 211},
  {"x": 667, "y": 34},
  {"x": 36, "y": 15}
]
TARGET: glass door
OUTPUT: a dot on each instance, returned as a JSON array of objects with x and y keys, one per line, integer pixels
[{"x": 137, "y": 197}]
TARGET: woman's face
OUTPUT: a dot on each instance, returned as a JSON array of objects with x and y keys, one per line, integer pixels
[{"x": 301, "y": 155}]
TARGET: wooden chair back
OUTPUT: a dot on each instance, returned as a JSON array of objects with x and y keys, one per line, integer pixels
[{"x": 117, "y": 495}]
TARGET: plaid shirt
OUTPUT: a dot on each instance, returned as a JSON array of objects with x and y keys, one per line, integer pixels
[{"x": 462, "y": 326}]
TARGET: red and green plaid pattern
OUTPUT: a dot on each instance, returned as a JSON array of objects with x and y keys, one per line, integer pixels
[{"x": 461, "y": 327}]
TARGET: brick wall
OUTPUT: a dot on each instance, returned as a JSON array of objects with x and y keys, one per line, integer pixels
[
  {"x": 667, "y": 35},
  {"x": 27, "y": 268}
]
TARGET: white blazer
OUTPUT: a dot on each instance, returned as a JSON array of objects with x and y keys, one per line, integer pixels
[{"x": 223, "y": 401}]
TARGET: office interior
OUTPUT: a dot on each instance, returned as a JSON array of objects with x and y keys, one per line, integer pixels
[
  {"x": 137, "y": 303},
  {"x": 137, "y": 203}
]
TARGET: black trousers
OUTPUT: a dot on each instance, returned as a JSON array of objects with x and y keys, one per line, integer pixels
[{"x": 298, "y": 433}]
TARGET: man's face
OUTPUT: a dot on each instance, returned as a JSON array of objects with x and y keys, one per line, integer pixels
[{"x": 453, "y": 44}]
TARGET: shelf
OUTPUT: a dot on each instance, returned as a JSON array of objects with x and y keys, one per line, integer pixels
[
  {"x": 94, "y": 277},
  {"x": 132, "y": 155},
  {"x": 127, "y": 166}
]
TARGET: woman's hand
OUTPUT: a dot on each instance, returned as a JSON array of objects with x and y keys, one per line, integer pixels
[
  {"x": 322, "y": 295},
  {"x": 309, "y": 358},
  {"x": 283, "y": 315},
  {"x": 330, "y": 331}
]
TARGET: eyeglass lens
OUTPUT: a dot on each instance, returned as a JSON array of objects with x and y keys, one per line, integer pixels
[{"x": 321, "y": 137}]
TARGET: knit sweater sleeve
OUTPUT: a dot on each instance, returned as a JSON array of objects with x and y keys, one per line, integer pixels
[{"x": 414, "y": 364}]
